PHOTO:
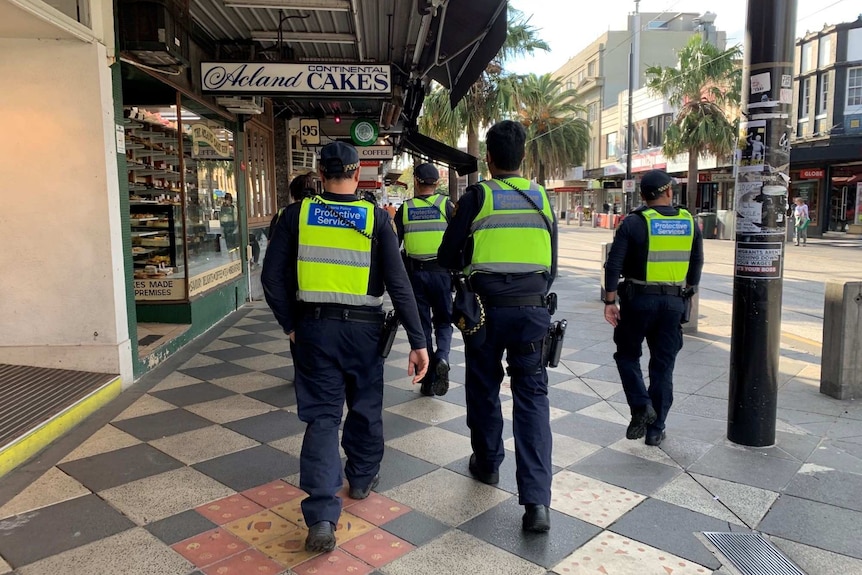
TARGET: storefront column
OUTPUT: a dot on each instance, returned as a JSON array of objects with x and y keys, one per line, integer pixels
[
  {"x": 64, "y": 293},
  {"x": 281, "y": 147}
]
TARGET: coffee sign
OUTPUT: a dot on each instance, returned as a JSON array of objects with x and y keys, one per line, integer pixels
[{"x": 265, "y": 78}]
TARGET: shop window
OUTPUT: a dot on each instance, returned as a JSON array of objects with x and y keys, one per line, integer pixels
[
  {"x": 824, "y": 52},
  {"x": 260, "y": 173},
  {"x": 611, "y": 145},
  {"x": 854, "y": 90}
]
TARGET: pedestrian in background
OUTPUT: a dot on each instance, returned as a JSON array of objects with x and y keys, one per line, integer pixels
[
  {"x": 323, "y": 276},
  {"x": 504, "y": 237},
  {"x": 801, "y": 220},
  {"x": 302, "y": 186},
  {"x": 658, "y": 250},
  {"x": 421, "y": 222}
]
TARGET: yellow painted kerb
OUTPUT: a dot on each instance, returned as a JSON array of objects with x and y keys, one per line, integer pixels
[{"x": 25, "y": 447}]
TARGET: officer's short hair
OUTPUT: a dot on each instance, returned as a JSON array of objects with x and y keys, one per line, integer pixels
[
  {"x": 505, "y": 142},
  {"x": 302, "y": 187}
]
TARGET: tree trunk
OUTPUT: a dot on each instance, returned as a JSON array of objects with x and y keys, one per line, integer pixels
[
  {"x": 281, "y": 138},
  {"x": 691, "y": 186},
  {"x": 472, "y": 149},
  {"x": 541, "y": 178},
  {"x": 453, "y": 185}
]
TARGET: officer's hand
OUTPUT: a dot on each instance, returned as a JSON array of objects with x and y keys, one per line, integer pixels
[
  {"x": 612, "y": 314},
  {"x": 292, "y": 336},
  {"x": 417, "y": 364}
]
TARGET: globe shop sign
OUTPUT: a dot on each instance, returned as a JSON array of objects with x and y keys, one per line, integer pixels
[{"x": 264, "y": 78}]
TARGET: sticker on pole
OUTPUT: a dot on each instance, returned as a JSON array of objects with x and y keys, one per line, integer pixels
[
  {"x": 759, "y": 260},
  {"x": 760, "y": 209},
  {"x": 752, "y": 146}
]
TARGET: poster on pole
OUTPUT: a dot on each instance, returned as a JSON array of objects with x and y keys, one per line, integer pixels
[
  {"x": 760, "y": 208},
  {"x": 758, "y": 260},
  {"x": 752, "y": 146}
]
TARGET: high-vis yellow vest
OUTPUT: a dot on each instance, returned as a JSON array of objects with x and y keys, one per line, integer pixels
[
  {"x": 509, "y": 235},
  {"x": 669, "y": 241},
  {"x": 334, "y": 261},
  {"x": 424, "y": 224}
]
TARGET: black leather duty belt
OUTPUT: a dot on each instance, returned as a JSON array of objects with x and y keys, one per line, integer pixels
[
  {"x": 655, "y": 289},
  {"x": 425, "y": 266},
  {"x": 344, "y": 314},
  {"x": 515, "y": 301}
]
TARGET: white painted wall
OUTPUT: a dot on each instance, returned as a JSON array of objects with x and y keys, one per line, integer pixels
[{"x": 62, "y": 288}]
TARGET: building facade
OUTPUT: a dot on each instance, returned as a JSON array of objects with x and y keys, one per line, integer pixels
[{"x": 826, "y": 153}]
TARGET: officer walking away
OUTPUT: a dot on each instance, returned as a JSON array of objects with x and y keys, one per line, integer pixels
[
  {"x": 658, "y": 250},
  {"x": 504, "y": 237},
  {"x": 302, "y": 186},
  {"x": 323, "y": 276},
  {"x": 420, "y": 222}
]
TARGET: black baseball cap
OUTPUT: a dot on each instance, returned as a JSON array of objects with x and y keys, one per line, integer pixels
[
  {"x": 655, "y": 183},
  {"x": 338, "y": 158},
  {"x": 426, "y": 174}
]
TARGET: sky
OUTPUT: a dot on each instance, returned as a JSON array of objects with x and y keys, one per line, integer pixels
[{"x": 571, "y": 25}]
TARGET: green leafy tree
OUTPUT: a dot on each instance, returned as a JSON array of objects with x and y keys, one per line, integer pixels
[
  {"x": 484, "y": 103},
  {"x": 703, "y": 87},
  {"x": 557, "y": 136}
]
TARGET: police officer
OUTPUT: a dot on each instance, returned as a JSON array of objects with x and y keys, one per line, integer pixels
[
  {"x": 323, "y": 277},
  {"x": 658, "y": 250},
  {"x": 421, "y": 222},
  {"x": 504, "y": 237},
  {"x": 302, "y": 186}
]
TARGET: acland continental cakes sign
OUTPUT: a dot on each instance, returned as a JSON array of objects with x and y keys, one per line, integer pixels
[{"x": 264, "y": 78}]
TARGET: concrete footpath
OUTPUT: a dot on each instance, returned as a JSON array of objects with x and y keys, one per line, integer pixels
[{"x": 194, "y": 469}]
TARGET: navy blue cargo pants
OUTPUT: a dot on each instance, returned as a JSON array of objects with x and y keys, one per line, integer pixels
[{"x": 433, "y": 291}]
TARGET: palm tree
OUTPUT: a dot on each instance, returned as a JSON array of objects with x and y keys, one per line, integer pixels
[
  {"x": 557, "y": 136},
  {"x": 483, "y": 104},
  {"x": 441, "y": 121},
  {"x": 705, "y": 85}
]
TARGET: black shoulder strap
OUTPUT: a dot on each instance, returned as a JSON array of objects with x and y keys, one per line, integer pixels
[
  {"x": 533, "y": 204},
  {"x": 340, "y": 218}
]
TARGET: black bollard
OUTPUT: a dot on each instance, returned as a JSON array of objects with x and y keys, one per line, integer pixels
[{"x": 761, "y": 202}]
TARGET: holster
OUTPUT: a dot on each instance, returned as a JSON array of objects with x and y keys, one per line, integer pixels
[{"x": 388, "y": 332}]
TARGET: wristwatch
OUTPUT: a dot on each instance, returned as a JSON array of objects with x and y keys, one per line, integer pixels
[{"x": 609, "y": 301}]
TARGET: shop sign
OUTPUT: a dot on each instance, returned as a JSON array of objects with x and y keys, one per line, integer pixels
[
  {"x": 722, "y": 177},
  {"x": 704, "y": 178},
  {"x": 363, "y": 132},
  {"x": 369, "y": 185},
  {"x": 629, "y": 186},
  {"x": 309, "y": 131},
  {"x": 200, "y": 283},
  {"x": 161, "y": 289},
  {"x": 811, "y": 174},
  {"x": 203, "y": 134},
  {"x": 569, "y": 189},
  {"x": 375, "y": 153},
  {"x": 272, "y": 78}
]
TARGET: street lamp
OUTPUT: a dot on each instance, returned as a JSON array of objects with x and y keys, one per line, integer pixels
[{"x": 636, "y": 25}]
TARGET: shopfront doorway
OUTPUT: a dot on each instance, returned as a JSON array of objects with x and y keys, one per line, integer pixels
[{"x": 844, "y": 199}]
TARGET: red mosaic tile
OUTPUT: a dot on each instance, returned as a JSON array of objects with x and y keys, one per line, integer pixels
[
  {"x": 273, "y": 494},
  {"x": 377, "y": 509},
  {"x": 336, "y": 563},
  {"x": 249, "y": 562},
  {"x": 378, "y": 547},
  {"x": 260, "y": 528},
  {"x": 209, "y": 547},
  {"x": 292, "y": 511},
  {"x": 229, "y": 509}
]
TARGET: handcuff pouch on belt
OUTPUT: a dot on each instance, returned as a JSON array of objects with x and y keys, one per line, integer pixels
[
  {"x": 388, "y": 332},
  {"x": 468, "y": 312}
]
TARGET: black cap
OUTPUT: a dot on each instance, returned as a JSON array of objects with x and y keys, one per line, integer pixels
[
  {"x": 426, "y": 174},
  {"x": 655, "y": 183},
  {"x": 338, "y": 158}
]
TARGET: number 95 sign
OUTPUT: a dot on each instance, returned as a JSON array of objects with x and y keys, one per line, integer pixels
[{"x": 309, "y": 132}]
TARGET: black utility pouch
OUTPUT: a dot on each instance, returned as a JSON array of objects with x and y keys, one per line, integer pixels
[{"x": 387, "y": 336}]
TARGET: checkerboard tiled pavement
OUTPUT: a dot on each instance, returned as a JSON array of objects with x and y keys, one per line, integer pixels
[{"x": 197, "y": 474}]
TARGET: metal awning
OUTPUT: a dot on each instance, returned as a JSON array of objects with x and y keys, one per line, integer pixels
[
  {"x": 468, "y": 35},
  {"x": 431, "y": 150}
]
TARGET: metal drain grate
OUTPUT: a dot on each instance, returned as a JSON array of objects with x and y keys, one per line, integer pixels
[{"x": 753, "y": 554}]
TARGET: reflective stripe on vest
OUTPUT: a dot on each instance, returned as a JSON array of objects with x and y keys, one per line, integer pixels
[
  {"x": 424, "y": 226},
  {"x": 334, "y": 262},
  {"x": 669, "y": 241},
  {"x": 509, "y": 236}
]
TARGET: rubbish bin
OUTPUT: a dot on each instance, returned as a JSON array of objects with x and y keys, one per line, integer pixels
[
  {"x": 706, "y": 222},
  {"x": 726, "y": 227}
]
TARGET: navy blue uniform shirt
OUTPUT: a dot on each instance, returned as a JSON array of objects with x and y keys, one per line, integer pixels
[
  {"x": 628, "y": 256},
  {"x": 456, "y": 252},
  {"x": 280, "y": 282}
]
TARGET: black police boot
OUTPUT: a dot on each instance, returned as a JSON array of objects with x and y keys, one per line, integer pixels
[
  {"x": 655, "y": 438},
  {"x": 441, "y": 382},
  {"x": 642, "y": 417},
  {"x": 321, "y": 537},
  {"x": 358, "y": 493},
  {"x": 486, "y": 478},
  {"x": 426, "y": 386},
  {"x": 537, "y": 518}
]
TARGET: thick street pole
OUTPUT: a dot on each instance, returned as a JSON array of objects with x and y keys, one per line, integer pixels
[{"x": 761, "y": 203}]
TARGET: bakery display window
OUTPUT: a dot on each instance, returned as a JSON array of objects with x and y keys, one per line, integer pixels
[
  {"x": 153, "y": 159},
  {"x": 212, "y": 212}
]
